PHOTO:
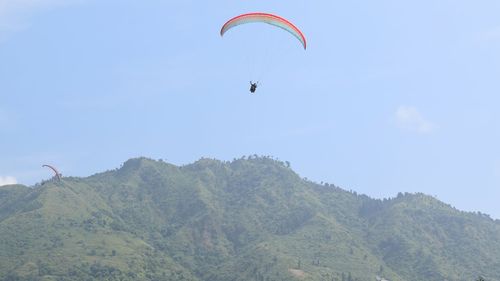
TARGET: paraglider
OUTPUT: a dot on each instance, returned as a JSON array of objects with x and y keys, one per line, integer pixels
[
  {"x": 267, "y": 18},
  {"x": 57, "y": 175},
  {"x": 253, "y": 86}
]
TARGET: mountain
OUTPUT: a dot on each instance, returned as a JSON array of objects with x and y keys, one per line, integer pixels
[{"x": 252, "y": 218}]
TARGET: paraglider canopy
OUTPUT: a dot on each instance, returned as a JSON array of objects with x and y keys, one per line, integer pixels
[
  {"x": 265, "y": 18},
  {"x": 57, "y": 174}
]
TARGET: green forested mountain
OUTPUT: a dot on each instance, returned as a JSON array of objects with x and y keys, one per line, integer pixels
[{"x": 249, "y": 219}]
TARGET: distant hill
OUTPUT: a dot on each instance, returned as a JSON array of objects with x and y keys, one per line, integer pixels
[{"x": 248, "y": 219}]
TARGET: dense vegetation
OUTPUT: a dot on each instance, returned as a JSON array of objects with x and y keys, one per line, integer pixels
[{"x": 249, "y": 219}]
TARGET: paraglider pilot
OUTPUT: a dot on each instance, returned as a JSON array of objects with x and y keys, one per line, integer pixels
[{"x": 253, "y": 86}]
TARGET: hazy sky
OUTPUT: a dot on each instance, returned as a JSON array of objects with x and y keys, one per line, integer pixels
[{"x": 390, "y": 96}]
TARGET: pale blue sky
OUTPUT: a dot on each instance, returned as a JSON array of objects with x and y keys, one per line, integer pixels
[{"x": 390, "y": 95}]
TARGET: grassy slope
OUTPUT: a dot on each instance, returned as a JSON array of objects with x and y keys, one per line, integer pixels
[{"x": 249, "y": 219}]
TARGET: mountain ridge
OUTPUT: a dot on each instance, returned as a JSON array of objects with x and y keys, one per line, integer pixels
[{"x": 252, "y": 218}]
